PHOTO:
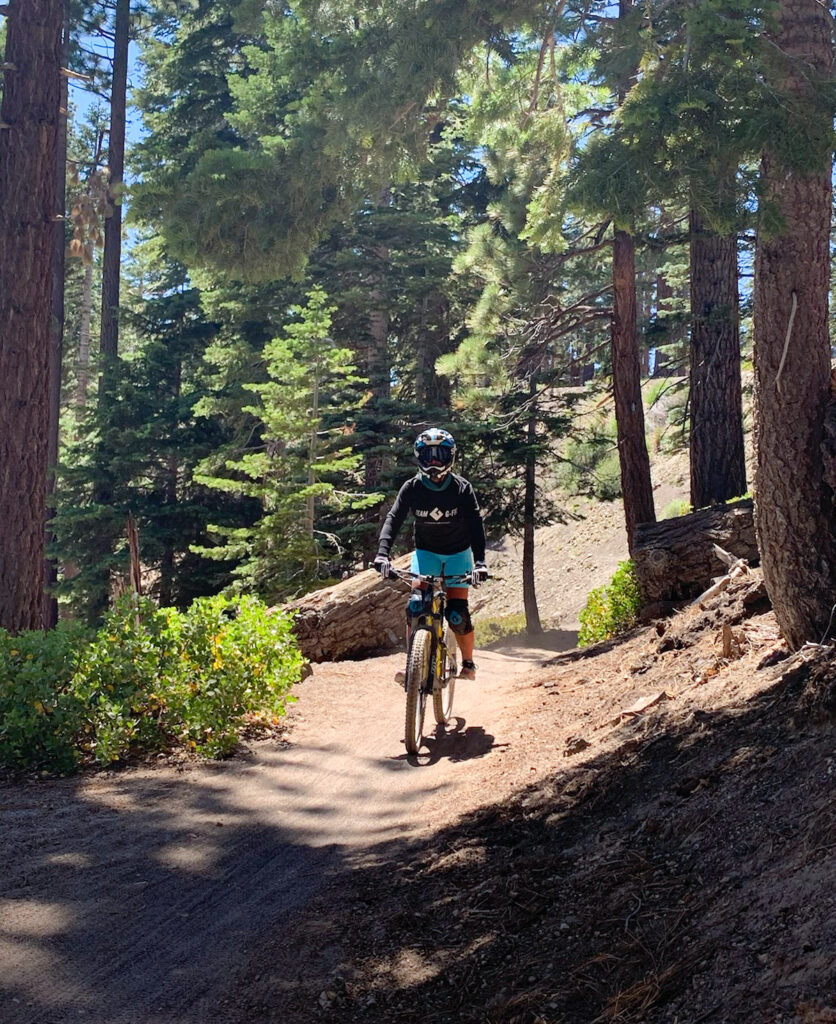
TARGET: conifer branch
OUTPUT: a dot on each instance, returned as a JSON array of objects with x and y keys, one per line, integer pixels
[{"x": 74, "y": 75}]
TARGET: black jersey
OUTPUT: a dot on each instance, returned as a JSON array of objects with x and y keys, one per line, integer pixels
[{"x": 447, "y": 520}]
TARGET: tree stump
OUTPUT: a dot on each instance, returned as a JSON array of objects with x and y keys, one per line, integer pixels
[
  {"x": 358, "y": 617},
  {"x": 675, "y": 559}
]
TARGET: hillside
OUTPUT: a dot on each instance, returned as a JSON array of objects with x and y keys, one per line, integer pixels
[
  {"x": 670, "y": 860},
  {"x": 573, "y": 557},
  {"x": 640, "y": 832}
]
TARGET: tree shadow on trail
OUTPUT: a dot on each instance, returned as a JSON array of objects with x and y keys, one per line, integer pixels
[{"x": 685, "y": 874}]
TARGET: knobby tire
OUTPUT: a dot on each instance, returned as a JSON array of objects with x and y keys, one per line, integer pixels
[
  {"x": 443, "y": 695},
  {"x": 417, "y": 674}
]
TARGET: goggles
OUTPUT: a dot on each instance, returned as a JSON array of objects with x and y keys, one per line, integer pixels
[{"x": 435, "y": 457}]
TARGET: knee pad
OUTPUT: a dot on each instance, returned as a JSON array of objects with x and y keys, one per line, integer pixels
[
  {"x": 458, "y": 615},
  {"x": 415, "y": 605}
]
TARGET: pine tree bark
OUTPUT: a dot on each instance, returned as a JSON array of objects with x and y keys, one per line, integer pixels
[
  {"x": 172, "y": 477},
  {"x": 56, "y": 349},
  {"x": 112, "y": 256},
  {"x": 111, "y": 276},
  {"x": 636, "y": 485},
  {"x": 28, "y": 143},
  {"x": 793, "y": 505},
  {"x": 378, "y": 371},
  {"x": 83, "y": 372},
  {"x": 718, "y": 464},
  {"x": 533, "y": 625}
]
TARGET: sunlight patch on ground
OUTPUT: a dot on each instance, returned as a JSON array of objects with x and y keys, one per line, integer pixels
[
  {"x": 196, "y": 858},
  {"x": 33, "y": 918}
]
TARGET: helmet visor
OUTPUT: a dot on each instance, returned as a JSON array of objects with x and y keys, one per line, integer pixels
[{"x": 435, "y": 456}]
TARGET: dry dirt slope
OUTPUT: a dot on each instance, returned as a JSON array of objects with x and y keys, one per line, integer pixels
[
  {"x": 573, "y": 557},
  {"x": 672, "y": 859}
]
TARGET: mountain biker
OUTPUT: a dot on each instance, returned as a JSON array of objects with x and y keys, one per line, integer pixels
[{"x": 448, "y": 532}]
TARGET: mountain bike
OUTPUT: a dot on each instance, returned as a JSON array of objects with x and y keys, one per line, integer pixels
[{"x": 431, "y": 657}]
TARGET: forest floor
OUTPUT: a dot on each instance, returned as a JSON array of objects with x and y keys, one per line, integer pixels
[{"x": 640, "y": 832}]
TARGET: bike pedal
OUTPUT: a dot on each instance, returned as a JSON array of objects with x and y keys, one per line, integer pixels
[{"x": 400, "y": 678}]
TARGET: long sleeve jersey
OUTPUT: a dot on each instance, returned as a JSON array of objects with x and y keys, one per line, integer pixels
[{"x": 447, "y": 519}]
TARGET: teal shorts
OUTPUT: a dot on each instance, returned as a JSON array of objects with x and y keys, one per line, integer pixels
[{"x": 428, "y": 563}]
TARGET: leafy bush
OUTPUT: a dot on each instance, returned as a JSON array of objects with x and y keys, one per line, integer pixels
[
  {"x": 607, "y": 483},
  {"x": 589, "y": 464},
  {"x": 488, "y": 631},
  {"x": 40, "y": 714},
  {"x": 150, "y": 679},
  {"x": 675, "y": 508},
  {"x": 611, "y": 609}
]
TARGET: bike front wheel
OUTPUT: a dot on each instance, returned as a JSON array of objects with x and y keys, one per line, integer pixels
[
  {"x": 417, "y": 678},
  {"x": 444, "y": 688}
]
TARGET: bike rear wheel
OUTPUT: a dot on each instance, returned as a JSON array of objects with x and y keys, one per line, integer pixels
[
  {"x": 443, "y": 694},
  {"x": 417, "y": 677}
]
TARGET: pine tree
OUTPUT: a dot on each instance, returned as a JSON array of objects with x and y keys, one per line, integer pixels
[
  {"x": 149, "y": 443},
  {"x": 112, "y": 255},
  {"x": 300, "y": 466},
  {"x": 687, "y": 125},
  {"x": 56, "y": 348},
  {"x": 794, "y": 503},
  {"x": 28, "y": 143},
  {"x": 505, "y": 372}
]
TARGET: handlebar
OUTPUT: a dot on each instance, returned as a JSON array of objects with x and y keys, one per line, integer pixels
[
  {"x": 406, "y": 576},
  {"x": 457, "y": 580}
]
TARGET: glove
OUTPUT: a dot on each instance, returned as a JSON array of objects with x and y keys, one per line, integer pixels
[
  {"x": 383, "y": 566},
  {"x": 479, "y": 574}
]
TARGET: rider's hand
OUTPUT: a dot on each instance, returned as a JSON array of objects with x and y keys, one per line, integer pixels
[
  {"x": 479, "y": 574},
  {"x": 383, "y": 566}
]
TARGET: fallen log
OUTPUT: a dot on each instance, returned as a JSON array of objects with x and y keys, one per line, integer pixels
[
  {"x": 355, "y": 618},
  {"x": 675, "y": 560}
]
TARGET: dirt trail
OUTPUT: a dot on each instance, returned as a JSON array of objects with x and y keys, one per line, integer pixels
[{"x": 133, "y": 897}]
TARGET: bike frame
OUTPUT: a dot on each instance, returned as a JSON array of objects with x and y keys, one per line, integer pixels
[{"x": 432, "y": 616}]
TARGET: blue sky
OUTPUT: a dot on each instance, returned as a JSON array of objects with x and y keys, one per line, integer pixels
[{"x": 83, "y": 100}]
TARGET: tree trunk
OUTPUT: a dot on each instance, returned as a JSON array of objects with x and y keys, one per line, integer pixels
[
  {"x": 112, "y": 258},
  {"x": 31, "y": 100},
  {"x": 310, "y": 503},
  {"x": 111, "y": 274},
  {"x": 532, "y": 614},
  {"x": 675, "y": 559},
  {"x": 358, "y": 617},
  {"x": 83, "y": 374},
  {"x": 167, "y": 562},
  {"x": 56, "y": 347},
  {"x": 793, "y": 505},
  {"x": 718, "y": 464},
  {"x": 636, "y": 486},
  {"x": 378, "y": 371},
  {"x": 432, "y": 391}
]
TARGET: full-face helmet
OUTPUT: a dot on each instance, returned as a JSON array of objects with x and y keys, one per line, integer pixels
[{"x": 435, "y": 451}]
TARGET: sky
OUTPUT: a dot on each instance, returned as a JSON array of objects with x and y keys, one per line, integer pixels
[{"x": 83, "y": 100}]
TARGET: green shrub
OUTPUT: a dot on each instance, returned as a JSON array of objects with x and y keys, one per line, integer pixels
[
  {"x": 607, "y": 484},
  {"x": 488, "y": 631},
  {"x": 40, "y": 714},
  {"x": 611, "y": 609},
  {"x": 677, "y": 507},
  {"x": 150, "y": 679},
  {"x": 589, "y": 463}
]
